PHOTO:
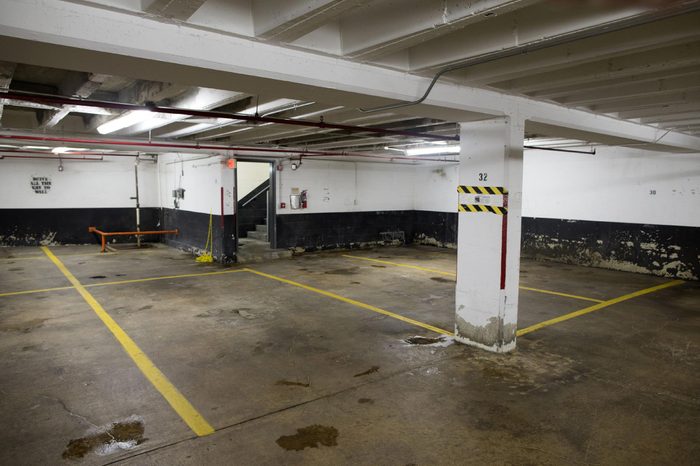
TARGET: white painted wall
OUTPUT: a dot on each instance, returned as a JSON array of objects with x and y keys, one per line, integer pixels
[
  {"x": 250, "y": 175},
  {"x": 615, "y": 185},
  {"x": 108, "y": 183},
  {"x": 612, "y": 186},
  {"x": 347, "y": 186},
  {"x": 202, "y": 179}
]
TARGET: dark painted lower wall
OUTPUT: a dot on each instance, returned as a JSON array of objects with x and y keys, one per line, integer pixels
[
  {"x": 435, "y": 228},
  {"x": 31, "y": 227},
  {"x": 340, "y": 230},
  {"x": 193, "y": 229},
  {"x": 669, "y": 251}
]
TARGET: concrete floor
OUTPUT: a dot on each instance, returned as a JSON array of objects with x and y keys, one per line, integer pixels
[{"x": 274, "y": 367}]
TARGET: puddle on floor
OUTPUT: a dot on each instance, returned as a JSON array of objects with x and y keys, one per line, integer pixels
[
  {"x": 310, "y": 437},
  {"x": 368, "y": 401},
  {"x": 122, "y": 435},
  {"x": 379, "y": 266},
  {"x": 442, "y": 279},
  {"x": 98, "y": 276},
  {"x": 349, "y": 271},
  {"x": 369, "y": 371},
  {"x": 289, "y": 383}
]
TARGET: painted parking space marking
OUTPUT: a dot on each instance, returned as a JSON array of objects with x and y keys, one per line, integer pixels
[
  {"x": 162, "y": 384},
  {"x": 362, "y": 305},
  {"x": 452, "y": 274},
  {"x": 123, "y": 282},
  {"x": 597, "y": 307}
]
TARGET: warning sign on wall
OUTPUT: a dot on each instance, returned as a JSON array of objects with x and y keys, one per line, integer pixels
[{"x": 40, "y": 184}]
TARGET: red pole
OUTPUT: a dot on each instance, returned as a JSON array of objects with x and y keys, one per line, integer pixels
[
  {"x": 222, "y": 207},
  {"x": 504, "y": 240}
]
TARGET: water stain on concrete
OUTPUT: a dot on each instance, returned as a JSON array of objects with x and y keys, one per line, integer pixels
[
  {"x": 424, "y": 340},
  {"x": 120, "y": 275},
  {"x": 98, "y": 276},
  {"x": 289, "y": 383},
  {"x": 379, "y": 266},
  {"x": 442, "y": 279},
  {"x": 120, "y": 435},
  {"x": 355, "y": 283},
  {"x": 23, "y": 327},
  {"x": 369, "y": 371},
  {"x": 348, "y": 271},
  {"x": 16, "y": 269},
  {"x": 310, "y": 437},
  {"x": 366, "y": 401},
  {"x": 146, "y": 307}
]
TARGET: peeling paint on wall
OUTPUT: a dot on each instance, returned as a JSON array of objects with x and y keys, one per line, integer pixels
[{"x": 662, "y": 250}]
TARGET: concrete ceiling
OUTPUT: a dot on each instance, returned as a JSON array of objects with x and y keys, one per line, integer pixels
[{"x": 637, "y": 61}]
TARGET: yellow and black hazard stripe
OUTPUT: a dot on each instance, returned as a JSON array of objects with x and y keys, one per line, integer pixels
[
  {"x": 482, "y": 208},
  {"x": 481, "y": 189}
]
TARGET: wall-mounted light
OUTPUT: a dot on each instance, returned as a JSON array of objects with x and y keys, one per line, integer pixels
[{"x": 295, "y": 165}]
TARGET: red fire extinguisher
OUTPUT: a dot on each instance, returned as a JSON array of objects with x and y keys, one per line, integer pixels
[{"x": 303, "y": 199}]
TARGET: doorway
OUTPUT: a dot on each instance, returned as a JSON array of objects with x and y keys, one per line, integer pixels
[{"x": 255, "y": 213}]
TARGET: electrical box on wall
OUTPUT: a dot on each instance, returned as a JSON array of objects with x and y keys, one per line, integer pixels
[{"x": 179, "y": 193}]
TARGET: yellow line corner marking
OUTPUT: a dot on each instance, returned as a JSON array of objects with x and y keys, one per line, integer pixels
[
  {"x": 597, "y": 307},
  {"x": 354, "y": 303},
  {"x": 161, "y": 383},
  {"x": 452, "y": 274}
]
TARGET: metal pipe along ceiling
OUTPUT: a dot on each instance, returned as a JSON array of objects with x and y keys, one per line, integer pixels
[
  {"x": 61, "y": 100},
  {"x": 178, "y": 147}
]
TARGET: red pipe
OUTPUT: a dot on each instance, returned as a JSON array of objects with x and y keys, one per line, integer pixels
[
  {"x": 163, "y": 145},
  {"x": 54, "y": 99}
]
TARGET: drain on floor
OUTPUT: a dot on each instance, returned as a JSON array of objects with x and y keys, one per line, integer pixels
[
  {"x": 369, "y": 371},
  {"x": 289, "y": 383},
  {"x": 442, "y": 279},
  {"x": 424, "y": 340},
  {"x": 106, "y": 440},
  {"x": 310, "y": 437},
  {"x": 98, "y": 276}
]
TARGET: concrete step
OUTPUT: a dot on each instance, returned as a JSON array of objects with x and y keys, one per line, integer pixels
[
  {"x": 259, "y": 235},
  {"x": 253, "y": 250},
  {"x": 262, "y": 228}
]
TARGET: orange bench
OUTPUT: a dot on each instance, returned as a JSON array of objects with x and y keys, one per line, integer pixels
[{"x": 105, "y": 234}]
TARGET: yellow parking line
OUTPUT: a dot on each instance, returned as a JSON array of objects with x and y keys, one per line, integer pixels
[
  {"x": 172, "y": 395},
  {"x": 122, "y": 282},
  {"x": 596, "y": 307},
  {"x": 452, "y": 274},
  {"x": 425, "y": 269},
  {"x": 557, "y": 293},
  {"x": 354, "y": 303},
  {"x": 43, "y": 290}
]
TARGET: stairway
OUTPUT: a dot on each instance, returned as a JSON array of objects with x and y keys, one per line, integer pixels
[{"x": 255, "y": 248}]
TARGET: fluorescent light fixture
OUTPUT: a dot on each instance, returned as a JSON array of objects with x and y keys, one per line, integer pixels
[
  {"x": 124, "y": 121},
  {"x": 65, "y": 150},
  {"x": 36, "y": 147},
  {"x": 440, "y": 149}
]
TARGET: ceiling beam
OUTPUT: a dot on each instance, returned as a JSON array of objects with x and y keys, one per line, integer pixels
[
  {"x": 288, "y": 20},
  {"x": 7, "y": 70},
  {"x": 625, "y": 105},
  {"x": 661, "y": 110},
  {"x": 671, "y": 31},
  {"x": 88, "y": 84},
  {"x": 378, "y": 30},
  {"x": 656, "y": 60},
  {"x": 119, "y": 43},
  {"x": 176, "y": 9},
  {"x": 623, "y": 91}
]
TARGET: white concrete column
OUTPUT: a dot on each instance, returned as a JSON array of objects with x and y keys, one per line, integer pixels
[{"x": 488, "y": 261}]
